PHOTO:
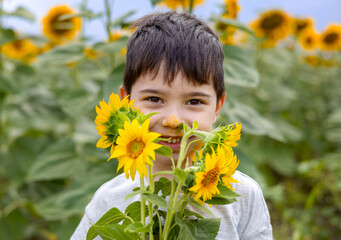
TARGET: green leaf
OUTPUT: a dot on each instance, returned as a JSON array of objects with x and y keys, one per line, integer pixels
[
  {"x": 83, "y": 14},
  {"x": 155, "y": 2},
  {"x": 74, "y": 198},
  {"x": 57, "y": 161},
  {"x": 226, "y": 192},
  {"x": 156, "y": 200},
  {"x": 251, "y": 120},
  {"x": 219, "y": 200},
  {"x": 188, "y": 213},
  {"x": 114, "y": 232},
  {"x": 22, "y": 154},
  {"x": 166, "y": 187},
  {"x": 22, "y": 13},
  {"x": 239, "y": 67},
  {"x": 134, "y": 211},
  {"x": 114, "y": 81},
  {"x": 202, "y": 207},
  {"x": 6, "y": 35},
  {"x": 181, "y": 174},
  {"x": 111, "y": 47},
  {"x": 207, "y": 228},
  {"x": 112, "y": 216},
  {"x": 76, "y": 102},
  {"x": 130, "y": 195},
  {"x": 137, "y": 227},
  {"x": 236, "y": 24},
  {"x": 69, "y": 53},
  {"x": 187, "y": 230},
  {"x": 122, "y": 20},
  {"x": 164, "y": 151}
]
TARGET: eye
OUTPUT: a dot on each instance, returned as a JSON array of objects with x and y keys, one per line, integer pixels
[
  {"x": 154, "y": 99},
  {"x": 194, "y": 102}
]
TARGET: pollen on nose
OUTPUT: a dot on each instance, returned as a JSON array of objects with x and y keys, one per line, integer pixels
[{"x": 171, "y": 121}]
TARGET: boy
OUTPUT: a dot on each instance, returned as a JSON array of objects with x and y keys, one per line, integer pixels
[{"x": 174, "y": 67}]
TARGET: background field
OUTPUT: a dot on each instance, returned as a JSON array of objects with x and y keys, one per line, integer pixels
[{"x": 282, "y": 72}]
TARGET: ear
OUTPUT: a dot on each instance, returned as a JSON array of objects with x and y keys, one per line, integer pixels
[
  {"x": 219, "y": 106},
  {"x": 123, "y": 92}
]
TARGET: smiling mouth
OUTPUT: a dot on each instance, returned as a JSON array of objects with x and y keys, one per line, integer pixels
[{"x": 171, "y": 140}]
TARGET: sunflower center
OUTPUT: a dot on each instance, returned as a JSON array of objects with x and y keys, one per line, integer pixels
[
  {"x": 301, "y": 26},
  {"x": 18, "y": 44},
  {"x": 211, "y": 176},
  {"x": 309, "y": 40},
  {"x": 61, "y": 27},
  {"x": 135, "y": 148},
  {"x": 331, "y": 38},
  {"x": 271, "y": 22}
]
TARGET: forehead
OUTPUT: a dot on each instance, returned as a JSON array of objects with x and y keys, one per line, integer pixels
[{"x": 180, "y": 84}]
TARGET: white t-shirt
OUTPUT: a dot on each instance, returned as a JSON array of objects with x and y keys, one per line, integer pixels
[{"x": 246, "y": 219}]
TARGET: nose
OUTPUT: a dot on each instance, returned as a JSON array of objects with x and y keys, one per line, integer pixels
[{"x": 171, "y": 121}]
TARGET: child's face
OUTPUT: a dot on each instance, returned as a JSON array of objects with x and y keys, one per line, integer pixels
[{"x": 182, "y": 101}]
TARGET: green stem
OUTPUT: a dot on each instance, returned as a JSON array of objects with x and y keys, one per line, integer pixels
[
  {"x": 168, "y": 217},
  {"x": 170, "y": 214},
  {"x": 143, "y": 210},
  {"x": 160, "y": 224},
  {"x": 191, "y": 3},
  {"x": 150, "y": 205},
  {"x": 108, "y": 13}
]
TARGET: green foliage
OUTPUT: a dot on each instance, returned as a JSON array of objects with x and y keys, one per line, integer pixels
[{"x": 50, "y": 166}]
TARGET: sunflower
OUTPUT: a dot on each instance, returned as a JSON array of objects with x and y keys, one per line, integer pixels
[
  {"x": 114, "y": 36},
  {"x": 174, "y": 4},
  {"x": 301, "y": 24},
  {"x": 91, "y": 53},
  {"x": 231, "y": 164},
  {"x": 21, "y": 49},
  {"x": 59, "y": 30},
  {"x": 308, "y": 39},
  {"x": 272, "y": 25},
  {"x": 233, "y": 135},
  {"x": 207, "y": 181},
  {"x": 330, "y": 39},
  {"x": 231, "y": 9},
  {"x": 107, "y": 123},
  {"x": 312, "y": 60},
  {"x": 135, "y": 148}
]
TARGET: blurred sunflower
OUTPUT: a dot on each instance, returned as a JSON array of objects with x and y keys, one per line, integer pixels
[
  {"x": 114, "y": 36},
  {"x": 174, "y": 4},
  {"x": 21, "y": 49},
  {"x": 91, "y": 53},
  {"x": 308, "y": 39},
  {"x": 312, "y": 60},
  {"x": 60, "y": 30},
  {"x": 273, "y": 25},
  {"x": 227, "y": 31},
  {"x": 330, "y": 39},
  {"x": 231, "y": 9},
  {"x": 135, "y": 148},
  {"x": 300, "y": 24}
]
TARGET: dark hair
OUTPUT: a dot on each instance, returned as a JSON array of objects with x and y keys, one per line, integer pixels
[{"x": 179, "y": 43}]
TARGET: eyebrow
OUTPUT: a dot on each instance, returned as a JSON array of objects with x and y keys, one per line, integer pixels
[{"x": 190, "y": 94}]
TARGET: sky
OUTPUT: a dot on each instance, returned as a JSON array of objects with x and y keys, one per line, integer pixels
[{"x": 323, "y": 12}]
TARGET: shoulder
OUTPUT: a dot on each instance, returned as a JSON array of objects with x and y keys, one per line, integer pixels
[
  {"x": 254, "y": 221},
  {"x": 247, "y": 185}
]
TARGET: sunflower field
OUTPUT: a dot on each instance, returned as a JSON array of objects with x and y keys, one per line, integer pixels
[{"x": 283, "y": 84}]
